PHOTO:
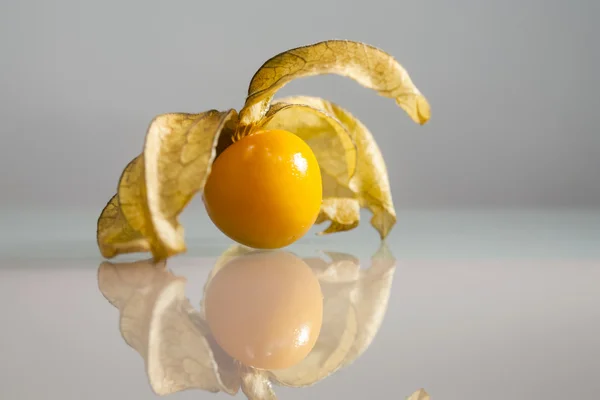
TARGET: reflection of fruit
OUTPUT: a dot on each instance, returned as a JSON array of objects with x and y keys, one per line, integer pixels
[
  {"x": 265, "y": 189},
  {"x": 265, "y": 309}
]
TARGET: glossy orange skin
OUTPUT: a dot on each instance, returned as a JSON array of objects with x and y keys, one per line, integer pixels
[
  {"x": 265, "y": 310},
  {"x": 265, "y": 190}
]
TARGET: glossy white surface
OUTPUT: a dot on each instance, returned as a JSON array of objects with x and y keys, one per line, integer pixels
[{"x": 518, "y": 317}]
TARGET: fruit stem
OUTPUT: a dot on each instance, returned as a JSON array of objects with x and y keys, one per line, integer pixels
[{"x": 241, "y": 132}]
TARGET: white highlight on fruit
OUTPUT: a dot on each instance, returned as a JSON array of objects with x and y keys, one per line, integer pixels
[{"x": 300, "y": 162}]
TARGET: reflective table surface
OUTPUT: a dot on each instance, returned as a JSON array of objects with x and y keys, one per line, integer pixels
[{"x": 467, "y": 305}]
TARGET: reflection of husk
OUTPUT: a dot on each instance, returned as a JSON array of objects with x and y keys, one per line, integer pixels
[
  {"x": 355, "y": 301},
  {"x": 158, "y": 322},
  {"x": 180, "y": 353},
  {"x": 420, "y": 394}
]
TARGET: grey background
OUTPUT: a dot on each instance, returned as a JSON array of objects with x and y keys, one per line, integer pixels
[{"x": 513, "y": 87}]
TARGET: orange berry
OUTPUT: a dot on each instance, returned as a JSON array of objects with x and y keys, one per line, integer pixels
[
  {"x": 265, "y": 190},
  {"x": 265, "y": 309}
]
